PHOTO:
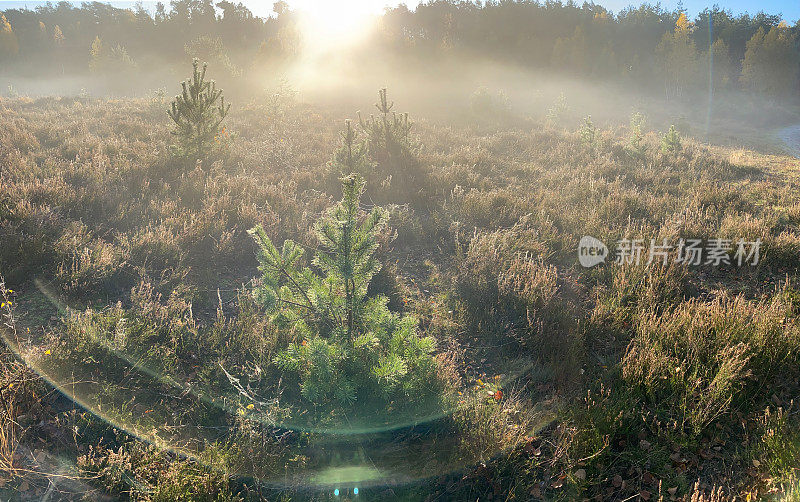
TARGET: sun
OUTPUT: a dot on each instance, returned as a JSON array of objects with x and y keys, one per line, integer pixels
[{"x": 329, "y": 24}]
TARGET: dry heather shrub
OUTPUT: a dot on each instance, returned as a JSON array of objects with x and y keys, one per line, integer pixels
[
  {"x": 488, "y": 428},
  {"x": 782, "y": 249},
  {"x": 633, "y": 289},
  {"x": 778, "y": 448},
  {"x": 159, "y": 333},
  {"x": 88, "y": 262},
  {"x": 497, "y": 208},
  {"x": 710, "y": 495},
  {"x": 506, "y": 265},
  {"x": 19, "y": 390},
  {"x": 512, "y": 298},
  {"x": 140, "y": 471},
  {"x": 700, "y": 359}
]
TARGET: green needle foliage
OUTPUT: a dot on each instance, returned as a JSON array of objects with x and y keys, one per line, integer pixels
[
  {"x": 671, "y": 142},
  {"x": 352, "y": 157},
  {"x": 198, "y": 113},
  {"x": 588, "y": 132},
  {"x": 346, "y": 345},
  {"x": 388, "y": 133},
  {"x": 557, "y": 112},
  {"x": 636, "y": 140}
]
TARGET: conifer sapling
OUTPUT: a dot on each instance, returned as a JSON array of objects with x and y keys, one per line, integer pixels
[
  {"x": 671, "y": 142},
  {"x": 588, "y": 132},
  {"x": 346, "y": 345},
  {"x": 198, "y": 113}
]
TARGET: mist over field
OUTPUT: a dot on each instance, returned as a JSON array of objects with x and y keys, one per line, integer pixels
[{"x": 460, "y": 251}]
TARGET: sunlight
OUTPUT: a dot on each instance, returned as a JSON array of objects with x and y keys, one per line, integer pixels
[{"x": 327, "y": 25}]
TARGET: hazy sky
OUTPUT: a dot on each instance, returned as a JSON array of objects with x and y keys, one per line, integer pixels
[{"x": 789, "y": 8}]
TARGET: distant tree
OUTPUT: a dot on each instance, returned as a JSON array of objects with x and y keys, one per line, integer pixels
[
  {"x": 606, "y": 63},
  {"x": 59, "y": 41},
  {"x": 678, "y": 55},
  {"x": 96, "y": 55},
  {"x": 114, "y": 62},
  {"x": 198, "y": 113},
  {"x": 571, "y": 53},
  {"x": 280, "y": 47},
  {"x": 211, "y": 49},
  {"x": 771, "y": 62},
  {"x": 280, "y": 8},
  {"x": 9, "y": 46},
  {"x": 58, "y": 36},
  {"x": 721, "y": 64}
]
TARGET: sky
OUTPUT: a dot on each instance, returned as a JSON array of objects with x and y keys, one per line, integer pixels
[{"x": 789, "y": 8}]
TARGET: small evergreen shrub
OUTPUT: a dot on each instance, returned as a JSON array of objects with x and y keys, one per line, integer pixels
[
  {"x": 588, "y": 132},
  {"x": 489, "y": 107},
  {"x": 671, "y": 142},
  {"x": 557, "y": 112},
  {"x": 635, "y": 142},
  {"x": 346, "y": 345},
  {"x": 383, "y": 152},
  {"x": 351, "y": 157},
  {"x": 198, "y": 113},
  {"x": 387, "y": 135}
]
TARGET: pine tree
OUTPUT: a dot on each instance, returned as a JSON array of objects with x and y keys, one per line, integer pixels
[
  {"x": 388, "y": 145},
  {"x": 671, "y": 142},
  {"x": 556, "y": 113},
  {"x": 351, "y": 157},
  {"x": 588, "y": 132},
  {"x": 9, "y": 46},
  {"x": 771, "y": 62},
  {"x": 721, "y": 64},
  {"x": 635, "y": 142},
  {"x": 58, "y": 41},
  {"x": 388, "y": 134},
  {"x": 96, "y": 55},
  {"x": 678, "y": 55},
  {"x": 347, "y": 345},
  {"x": 198, "y": 113},
  {"x": 58, "y": 36}
]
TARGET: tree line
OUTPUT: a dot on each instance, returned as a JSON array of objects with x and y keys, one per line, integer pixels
[{"x": 646, "y": 45}]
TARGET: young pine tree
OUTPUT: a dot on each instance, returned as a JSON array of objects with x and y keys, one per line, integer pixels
[
  {"x": 387, "y": 134},
  {"x": 557, "y": 112},
  {"x": 636, "y": 140},
  {"x": 198, "y": 113},
  {"x": 671, "y": 142},
  {"x": 394, "y": 165},
  {"x": 588, "y": 132},
  {"x": 351, "y": 157},
  {"x": 347, "y": 345}
]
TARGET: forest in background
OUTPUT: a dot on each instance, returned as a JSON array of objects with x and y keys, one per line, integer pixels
[{"x": 646, "y": 47}]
